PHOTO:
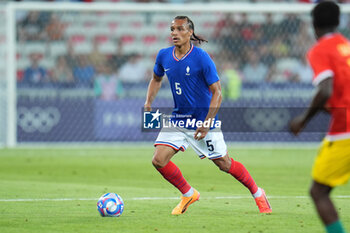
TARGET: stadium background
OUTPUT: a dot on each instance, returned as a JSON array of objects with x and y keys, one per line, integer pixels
[
  {"x": 82, "y": 75},
  {"x": 73, "y": 146}
]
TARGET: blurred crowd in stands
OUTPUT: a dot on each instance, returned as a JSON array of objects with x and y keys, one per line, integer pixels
[{"x": 248, "y": 53}]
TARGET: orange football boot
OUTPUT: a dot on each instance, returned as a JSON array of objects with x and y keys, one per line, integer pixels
[
  {"x": 185, "y": 202},
  {"x": 263, "y": 204}
]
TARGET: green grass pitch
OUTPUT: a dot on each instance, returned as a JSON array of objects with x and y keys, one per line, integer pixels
[{"x": 56, "y": 190}]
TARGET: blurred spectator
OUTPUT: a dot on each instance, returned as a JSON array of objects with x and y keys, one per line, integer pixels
[
  {"x": 32, "y": 27},
  {"x": 290, "y": 26},
  {"x": 107, "y": 86},
  {"x": 118, "y": 58},
  {"x": 223, "y": 26},
  {"x": 270, "y": 28},
  {"x": 257, "y": 38},
  {"x": 84, "y": 72},
  {"x": 55, "y": 29},
  {"x": 246, "y": 28},
  {"x": 61, "y": 74},
  {"x": 254, "y": 71},
  {"x": 285, "y": 70},
  {"x": 95, "y": 57},
  {"x": 279, "y": 47},
  {"x": 232, "y": 43},
  {"x": 304, "y": 71},
  {"x": 240, "y": 37},
  {"x": 266, "y": 56},
  {"x": 71, "y": 57},
  {"x": 134, "y": 70},
  {"x": 35, "y": 75},
  {"x": 231, "y": 80},
  {"x": 302, "y": 42}
]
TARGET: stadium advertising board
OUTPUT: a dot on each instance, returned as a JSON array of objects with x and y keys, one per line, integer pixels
[
  {"x": 54, "y": 120},
  {"x": 72, "y": 119}
]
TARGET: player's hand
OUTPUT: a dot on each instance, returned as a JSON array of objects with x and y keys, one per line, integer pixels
[
  {"x": 200, "y": 133},
  {"x": 297, "y": 124},
  {"x": 147, "y": 107}
]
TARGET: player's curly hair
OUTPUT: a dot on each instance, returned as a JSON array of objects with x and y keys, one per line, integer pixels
[
  {"x": 326, "y": 15},
  {"x": 194, "y": 37}
]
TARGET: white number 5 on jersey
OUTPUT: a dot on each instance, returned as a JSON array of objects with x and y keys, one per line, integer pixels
[{"x": 178, "y": 88}]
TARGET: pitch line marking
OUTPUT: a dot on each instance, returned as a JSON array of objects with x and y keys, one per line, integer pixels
[{"x": 159, "y": 198}]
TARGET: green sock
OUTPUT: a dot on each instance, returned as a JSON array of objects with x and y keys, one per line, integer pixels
[{"x": 335, "y": 227}]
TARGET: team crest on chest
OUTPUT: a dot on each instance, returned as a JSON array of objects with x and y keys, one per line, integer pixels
[{"x": 187, "y": 70}]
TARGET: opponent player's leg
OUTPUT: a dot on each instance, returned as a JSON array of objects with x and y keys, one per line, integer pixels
[
  {"x": 161, "y": 161},
  {"x": 238, "y": 171},
  {"x": 331, "y": 169},
  {"x": 320, "y": 194}
]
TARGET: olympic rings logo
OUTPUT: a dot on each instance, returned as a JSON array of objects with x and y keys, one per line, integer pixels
[
  {"x": 266, "y": 120},
  {"x": 37, "y": 119}
]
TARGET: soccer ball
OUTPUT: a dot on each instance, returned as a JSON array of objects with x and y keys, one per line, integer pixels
[{"x": 110, "y": 205}]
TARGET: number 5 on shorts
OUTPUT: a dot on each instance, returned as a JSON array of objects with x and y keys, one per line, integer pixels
[{"x": 209, "y": 145}]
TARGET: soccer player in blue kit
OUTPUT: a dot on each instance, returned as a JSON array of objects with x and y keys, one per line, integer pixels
[{"x": 196, "y": 90}]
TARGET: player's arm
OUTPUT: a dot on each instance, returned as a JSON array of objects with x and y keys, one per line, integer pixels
[
  {"x": 214, "y": 106},
  {"x": 323, "y": 93},
  {"x": 153, "y": 88}
]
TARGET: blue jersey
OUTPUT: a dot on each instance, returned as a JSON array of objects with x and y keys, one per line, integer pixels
[{"x": 189, "y": 78}]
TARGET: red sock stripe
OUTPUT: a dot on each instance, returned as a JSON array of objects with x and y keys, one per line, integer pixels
[
  {"x": 180, "y": 183},
  {"x": 238, "y": 171},
  {"x": 173, "y": 174}
]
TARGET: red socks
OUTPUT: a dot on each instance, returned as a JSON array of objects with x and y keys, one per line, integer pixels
[
  {"x": 173, "y": 174},
  {"x": 238, "y": 171}
]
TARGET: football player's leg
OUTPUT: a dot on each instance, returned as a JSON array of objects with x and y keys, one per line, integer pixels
[
  {"x": 238, "y": 171},
  {"x": 325, "y": 208},
  {"x": 320, "y": 196},
  {"x": 167, "y": 145},
  {"x": 162, "y": 155},
  {"x": 161, "y": 161},
  {"x": 331, "y": 169}
]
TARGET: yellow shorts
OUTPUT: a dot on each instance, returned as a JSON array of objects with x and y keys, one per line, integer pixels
[{"x": 332, "y": 164}]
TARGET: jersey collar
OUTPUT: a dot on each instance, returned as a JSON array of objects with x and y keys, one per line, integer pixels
[
  {"x": 328, "y": 35},
  {"x": 189, "y": 51}
]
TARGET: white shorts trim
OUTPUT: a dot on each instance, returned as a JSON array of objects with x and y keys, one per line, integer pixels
[
  {"x": 322, "y": 76},
  {"x": 182, "y": 148}
]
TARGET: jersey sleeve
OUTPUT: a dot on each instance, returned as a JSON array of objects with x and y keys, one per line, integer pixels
[
  {"x": 320, "y": 62},
  {"x": 158, "y": 67},
  {"x": 209, "y": 69}
]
